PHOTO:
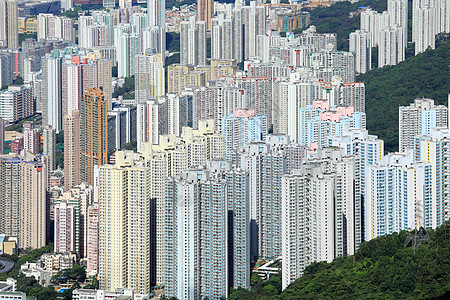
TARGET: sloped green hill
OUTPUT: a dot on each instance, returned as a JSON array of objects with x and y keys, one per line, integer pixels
[
  {"x": 422, "y": 76},
  {"x": 380, "y": 269}
]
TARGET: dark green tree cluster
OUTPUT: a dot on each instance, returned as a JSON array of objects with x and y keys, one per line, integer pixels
[
  {"x": 32, "y": 288},
  {"x": 173, "y": 41},
  {"x": 59, "y": 158},
  {"x": 381, "y": 269},
  {"x": 127, "y": 90},
  {"x": 72, "y": 13},
  {"x": 76, "y": 273},
  {"x": 261, "y": 290},
  {"x": 422, "y": 76}
]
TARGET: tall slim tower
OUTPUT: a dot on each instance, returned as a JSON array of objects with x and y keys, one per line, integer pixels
[
  {"x": 193, "y": 42},
  {"x": 49, "y": 144},
  {"x": 3, "y": 30},
  {"x": 2, "y": 136},
  {"x": 31, "y": 137},
  {"x": 52, "y": 91},
  {"x": 205, "y": 10},
  {"x": 33, "y": 204},
  {"x": 94, "y": 140},
  {"x": 156, "y": 12},
  {"x": 126, "y": 238},
  {"x": 12, "y": 24},
  {"x": 104, "y": 79},
  {"x": 72, "y": 150}
]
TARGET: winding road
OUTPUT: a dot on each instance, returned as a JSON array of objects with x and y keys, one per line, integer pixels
[{"x": 6, "y": 265}]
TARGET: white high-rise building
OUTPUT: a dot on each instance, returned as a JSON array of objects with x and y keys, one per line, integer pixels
[
  {"x": 55, "y": 27},
  {"x": 267, "y": 162},
  {"x": 49, "y": 143},
  {"x": 291, "y": 97},
  {"x": 222, "y": 38},
  {"x": 205, "y": 252},
  {"x": 52, "y": 92},
  {"x": 398, "y": 15},
  {"x": 193, "y": 42},
  {"x": 391, "y": 48},
  {"x": 84, "y": 40},
  {"x": 156, "y": 10},
  {"x": 149, "y": 77},
  {"x": 148, "y": 124},
  {"x": 154, "y": 38},
  {"x": 360, "y": 45},
  {"x": 397, "y": 191},
  {"x": 241, "y": 128},
  {"x": 433, "y": 148},
  {"x": 128, "y": 45},
  {"x": 424, "y": 28},
  {"x": 374, "y": 22},
  {"x": 318, "y": 212},
  {"x": 418, "y": 119}
]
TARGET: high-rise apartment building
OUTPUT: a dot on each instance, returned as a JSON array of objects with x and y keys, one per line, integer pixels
[
  {"x": 205, "y": 9},
  {"x": 149, "y": 77},
  {"x": 150, "y": 122},
  {"x": 79, "y": 198},
  {"x": 94, "y": 140},
  {"x": 31, "y": 138},
  {"x": 24, "y": 198},
  {"x": 319, "y": 121},
  {"x": 242, "y": 127},
  {"x": 267, "y": 162},
  {"x": 318, "y": 212},
  {"x": 72, "y": 150},
  {"x": 397, "y": 192},
  {"x": 49, "y": 145},
  {"x": 52, "y": 91},
  {"x": 222, "y": 38},
  {"x": 104, "y": 79},
  {"x": 2, "y": 136},
  {"x": 424, "y": 27},
  {"x": 51, "y": 27},
  {"x": 391, "y": 47},
  {"x": 125, "y": 224},
  {"x": 418, "y": 119},
  {"x": 374, "y": 22},
  {"x": 398, "y": 16},
  {"x": 64, "y": 228},
  {"x": 9, "y": 15},
  {"x": 78, "y": 75},
  {"x": 16, "y": 103},
  {"x": 156, "y": 10},
  {"x": 433, "y": 148},
  {"x": 128, "y": 47},
  {"x": 193, "y": 42},
  {"x": 207, "y": 232},
  {"x": 92, "y": 239},
  {"x": 361, "y": 46}
]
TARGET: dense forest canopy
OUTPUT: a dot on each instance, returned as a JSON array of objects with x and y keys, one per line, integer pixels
[{"x": 381, "y": 269}]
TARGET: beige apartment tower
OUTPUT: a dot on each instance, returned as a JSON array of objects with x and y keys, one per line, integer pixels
[{"x": 72, "y": 150}]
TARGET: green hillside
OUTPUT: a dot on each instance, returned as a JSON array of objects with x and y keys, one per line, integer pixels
[
  {"x": 425, "y": 75},
  {"x": 381, "y": 269}
]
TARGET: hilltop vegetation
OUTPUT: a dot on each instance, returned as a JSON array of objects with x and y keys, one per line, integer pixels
[
  {"x": 422, "y": 76},
  {"x": 381, "y": 269}
]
